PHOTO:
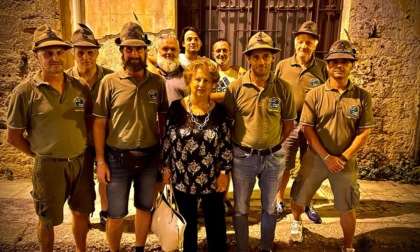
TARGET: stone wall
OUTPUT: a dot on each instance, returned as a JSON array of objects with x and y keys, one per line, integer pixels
[
  {"x": 18, "y": 20},
  {"x": 386, "y": 35}
]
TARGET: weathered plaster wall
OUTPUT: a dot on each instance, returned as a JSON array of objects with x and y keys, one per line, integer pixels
[
  {"x": 386, "y": 35},
  {"x": 106, "y": 17},
  {"x": 18, "y": 20}
]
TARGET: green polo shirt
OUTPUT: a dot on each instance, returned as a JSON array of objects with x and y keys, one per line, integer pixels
[
  {"x": 131, "y": 109},
  {"x": 302, "y": 80},
  {"x": 55, "y": 122},
  {"x": 258, "y": 114},
  {"x": 337, "y": 117},
  {"x": 100, "y": 72}
]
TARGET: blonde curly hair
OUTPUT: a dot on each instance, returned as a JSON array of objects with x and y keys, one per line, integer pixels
[{"x": 192, "y": 68}]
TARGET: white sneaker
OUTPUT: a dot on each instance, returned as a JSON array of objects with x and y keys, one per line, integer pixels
[
  {"x": 296, "y": 231},
  {"x": 348, "y": 249}
]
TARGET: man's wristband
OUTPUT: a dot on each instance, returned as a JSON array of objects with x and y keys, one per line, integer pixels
[
  {"x": 327, "y": 156},
  {"x": 344, "y": 158},
  {"x": 100, "y": 162}
]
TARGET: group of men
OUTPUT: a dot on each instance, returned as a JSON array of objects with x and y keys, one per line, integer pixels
[{"x": 89, "y": 116}]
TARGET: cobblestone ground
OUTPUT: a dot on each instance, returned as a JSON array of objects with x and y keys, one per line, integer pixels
[{"x": 388, "y": 220}]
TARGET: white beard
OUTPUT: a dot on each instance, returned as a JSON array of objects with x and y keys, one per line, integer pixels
[{"x": 168, "y": 65}]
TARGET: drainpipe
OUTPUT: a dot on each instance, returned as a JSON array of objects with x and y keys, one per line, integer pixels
[{"x": 77, "y": 11}]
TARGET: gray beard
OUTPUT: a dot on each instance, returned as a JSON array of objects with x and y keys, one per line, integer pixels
[{"x": 166, "y": 65}]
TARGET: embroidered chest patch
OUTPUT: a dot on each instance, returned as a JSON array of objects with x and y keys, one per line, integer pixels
[
  {"x": 79, "y": 103},
  {"x": 153, "y": 95},
  {"x": 354, "y": 111},
  {"x": 314, "y": 82},
  {"x": 274, "y": 103}
]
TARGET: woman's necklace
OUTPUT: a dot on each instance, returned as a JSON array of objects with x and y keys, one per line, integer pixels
[{"x": 199, "y": 125}]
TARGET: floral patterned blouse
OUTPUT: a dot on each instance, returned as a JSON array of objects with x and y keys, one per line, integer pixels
[{"x": 195, "y": 156}]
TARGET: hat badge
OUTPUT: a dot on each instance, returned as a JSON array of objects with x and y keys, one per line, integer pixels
[
  {"x": 260, "y": 38},
  {"x": 50, "y": 33},
  {"x": 131, "y": 32}
]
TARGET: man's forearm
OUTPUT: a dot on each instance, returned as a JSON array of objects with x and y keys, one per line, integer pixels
[
  {"x": 313, "y": 141},
  {"x": 99, "y": 134},
  {"x": 287, "y": 129},
  {"x": 15, "y": 138},
  {"x": 358, "y": 142}
]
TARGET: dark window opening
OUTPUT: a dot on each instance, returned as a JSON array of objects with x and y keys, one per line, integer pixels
[{"x": 238, "y": 20}]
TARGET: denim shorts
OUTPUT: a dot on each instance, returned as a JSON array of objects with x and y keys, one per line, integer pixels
[{"x": 118, "y": 189}]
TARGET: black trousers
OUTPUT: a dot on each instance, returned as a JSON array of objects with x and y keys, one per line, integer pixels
[{"x": 214, "y": 219}]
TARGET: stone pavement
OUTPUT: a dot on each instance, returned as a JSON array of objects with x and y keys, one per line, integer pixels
[{"x": 388, "y": 219}]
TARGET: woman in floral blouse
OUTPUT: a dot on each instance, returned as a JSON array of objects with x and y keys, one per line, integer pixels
[{"x": 197, "y": 155}]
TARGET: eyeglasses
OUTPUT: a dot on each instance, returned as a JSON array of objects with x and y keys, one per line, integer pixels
[{"x": 168, "y": 35}]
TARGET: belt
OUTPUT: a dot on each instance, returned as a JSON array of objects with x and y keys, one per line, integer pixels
[
  {"x": 259, "y": 152},
  {"x": 147, "y": 149},
  {"x": 62, "y": 159}
]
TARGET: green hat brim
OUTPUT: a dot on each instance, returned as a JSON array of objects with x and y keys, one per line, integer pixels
[{"x": 51, "y": 43}]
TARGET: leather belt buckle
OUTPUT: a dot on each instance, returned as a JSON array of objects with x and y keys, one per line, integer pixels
[{"x": 259, "y": 152}]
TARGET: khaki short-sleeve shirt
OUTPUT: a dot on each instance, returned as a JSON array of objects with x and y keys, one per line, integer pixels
[
  {"x": 337, "y": 117},
  {"x": 100, "y": 72},
  {"x": 258, "y": 115},
  {"x": 302, "y": 80},
  {"x": 55, "y": 122},
  {"x": 131, "y": 109}
]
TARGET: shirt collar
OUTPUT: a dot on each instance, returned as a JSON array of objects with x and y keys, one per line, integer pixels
[
  {"x": 38, "y": 79},
  {"x": 327, "y": 85},
  {"x": 99, "y": 72},
  {"x": 123, "y": 75},
  {"x": 246, "y": 80}
]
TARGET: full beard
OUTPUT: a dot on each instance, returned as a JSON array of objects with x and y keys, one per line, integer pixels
[
  {"x": 134, "y": 66},
  {"x": 167, "y": 65}
]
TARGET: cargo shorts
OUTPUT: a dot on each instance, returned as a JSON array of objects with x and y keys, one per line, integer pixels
[
  {"x": 313, "y": 172},
  {"x": 295, "y": 142},
  {"x": 57, "y": 180}
]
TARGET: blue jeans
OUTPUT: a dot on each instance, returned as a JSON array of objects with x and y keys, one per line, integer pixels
[{"x": 246, "y": 168}]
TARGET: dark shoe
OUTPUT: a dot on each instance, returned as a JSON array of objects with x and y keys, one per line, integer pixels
[
  {"x": 313, "y": 215},
  {"x": 279, "y": 210},
  {"x": 103, "y": 215},
  {"x": 279, "y": 207},
  {"x": 228, "y": 208}
]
